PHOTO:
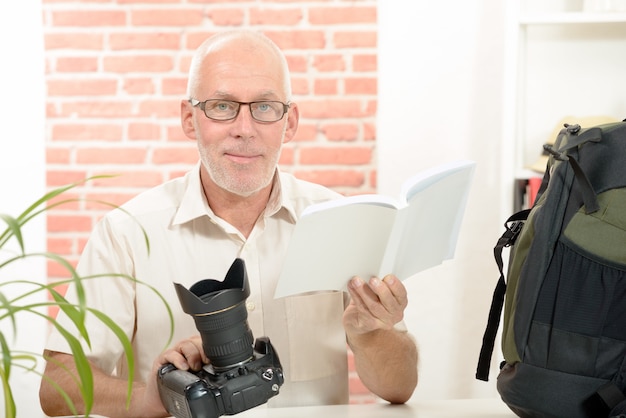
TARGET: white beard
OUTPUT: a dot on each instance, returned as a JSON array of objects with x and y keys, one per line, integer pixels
[{"x": 228, "y": 179}]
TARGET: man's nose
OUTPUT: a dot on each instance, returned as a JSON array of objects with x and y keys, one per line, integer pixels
[{"x": 244, "y": 122}]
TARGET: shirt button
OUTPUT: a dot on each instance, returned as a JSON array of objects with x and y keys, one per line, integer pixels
[{"x": 250, "y": 306}]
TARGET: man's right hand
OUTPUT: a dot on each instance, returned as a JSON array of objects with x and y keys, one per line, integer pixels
[{"x": 185, "y": 355}]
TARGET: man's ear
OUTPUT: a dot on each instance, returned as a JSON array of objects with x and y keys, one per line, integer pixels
[
  {"x": 293, "y": 118},
  {"x": 186, "y": 119}
]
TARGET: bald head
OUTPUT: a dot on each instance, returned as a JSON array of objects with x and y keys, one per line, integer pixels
[{"x": 244, "y": 47}]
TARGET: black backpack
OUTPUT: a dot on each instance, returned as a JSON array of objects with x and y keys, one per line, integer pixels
[{"x": 564, "y": 322}]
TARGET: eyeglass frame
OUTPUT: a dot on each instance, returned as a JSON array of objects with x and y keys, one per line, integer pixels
[{"x": 201, "y": 105}]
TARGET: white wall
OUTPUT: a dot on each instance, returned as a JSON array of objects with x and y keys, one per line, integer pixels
[
  {"x": 22, "y": 172},
  {"x": 440, "y": 98}
]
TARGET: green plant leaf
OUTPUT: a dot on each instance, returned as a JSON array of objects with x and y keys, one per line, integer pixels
[
  {"x": 75, "y": 313},
  {"x": 10, "y": 410},
  {"x": 5, "y": 304},
  {"x": 83, "y": 367},
  {"x": 128, "y": 349},
  {"x": 33, "y": 210},
  {"x": 13, "y": 229},
  {"x": 7, "y": 356},
  {"x": 39, "y": 206}
]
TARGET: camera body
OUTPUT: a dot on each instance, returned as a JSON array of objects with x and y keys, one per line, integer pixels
[
  {"x": 241, "y": 375},
  {"x": 210, "y": 394}
]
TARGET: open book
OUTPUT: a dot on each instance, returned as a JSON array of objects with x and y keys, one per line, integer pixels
[{"x": 374, "y": 235}]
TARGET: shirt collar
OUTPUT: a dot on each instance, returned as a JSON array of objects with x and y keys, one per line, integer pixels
[
  {"x": 195, "y": 205},
  {"x": 281, "y": 197}
]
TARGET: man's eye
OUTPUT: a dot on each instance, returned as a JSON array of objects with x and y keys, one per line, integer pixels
[{"x": 223, "y": 106}]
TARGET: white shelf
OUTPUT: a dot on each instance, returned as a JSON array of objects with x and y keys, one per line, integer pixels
[
  {"x": 572, "y": 17},
  {"x": 562, "y": 62}
]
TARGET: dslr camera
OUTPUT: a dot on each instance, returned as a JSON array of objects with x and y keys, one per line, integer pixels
[{"x": 241, "y": 375}]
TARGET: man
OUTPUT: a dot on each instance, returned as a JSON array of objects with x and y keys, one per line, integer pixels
[{"x": 235, "y": 204}]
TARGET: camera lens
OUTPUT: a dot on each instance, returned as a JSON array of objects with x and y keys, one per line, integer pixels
[
  {"x": 219, "y": 311},
  {"x": 226, "y": 338}
]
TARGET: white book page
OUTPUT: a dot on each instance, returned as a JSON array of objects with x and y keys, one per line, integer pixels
[
  {"x": 427, "y": 234},
  {"x": 370, "y": 199},
  {"x": 425, "y": 179},
  {"x": 328, "y": 248},
  {"x": 434, "y": 218}
]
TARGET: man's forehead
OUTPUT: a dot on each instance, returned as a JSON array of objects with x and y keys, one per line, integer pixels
[{"x": 233, "y": 81}]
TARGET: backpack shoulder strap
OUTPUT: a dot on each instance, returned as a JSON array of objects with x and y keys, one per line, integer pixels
[{"x": 513, "y": 227}]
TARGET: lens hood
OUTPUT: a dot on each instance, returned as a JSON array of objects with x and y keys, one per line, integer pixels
[{"x": 208, "y": 296}]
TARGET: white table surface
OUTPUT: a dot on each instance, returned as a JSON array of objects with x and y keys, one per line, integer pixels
[
  {"x": 457, "y": 408},
  {"x": 466, "y": 408}
]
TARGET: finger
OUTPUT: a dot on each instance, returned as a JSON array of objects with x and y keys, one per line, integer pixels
[
  {"x": 175, "y": 357},
  {"x": 386, "y": 306},
  {"x": 369, "y": 301},
  {"x": 197, "y": 341},
  {"x": 355, "y": 286},
  {"x": 192, "y": 353},
  {"x": 357, "y": 316},
  {"x": 185, "y": 355},
  {"x": 397, "y": 289}
]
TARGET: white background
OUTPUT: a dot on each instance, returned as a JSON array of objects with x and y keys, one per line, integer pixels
[
  {"x": 441, "y": 71},
  {"x": 22, "y": 172}
]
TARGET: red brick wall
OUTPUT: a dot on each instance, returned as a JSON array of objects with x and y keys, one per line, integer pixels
[{"x": 116, "y": 70}]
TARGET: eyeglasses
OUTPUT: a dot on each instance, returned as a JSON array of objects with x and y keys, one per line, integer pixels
[{"x": 263, "y": 111}]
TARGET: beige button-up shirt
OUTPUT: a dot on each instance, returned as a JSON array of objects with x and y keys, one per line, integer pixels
[{"x": 188, "y": 243}]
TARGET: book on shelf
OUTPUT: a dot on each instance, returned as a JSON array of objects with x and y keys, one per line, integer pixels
[{"x": 374, "y": 235}]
